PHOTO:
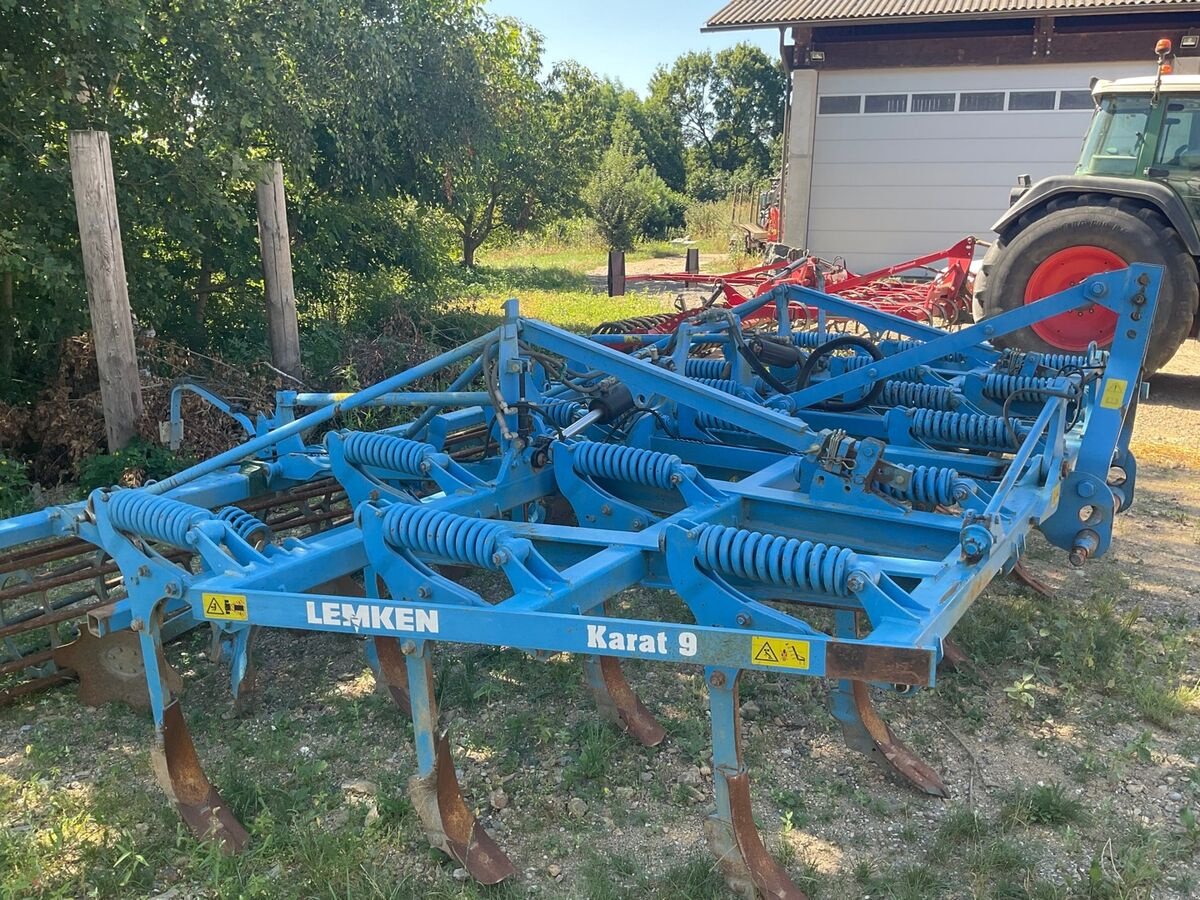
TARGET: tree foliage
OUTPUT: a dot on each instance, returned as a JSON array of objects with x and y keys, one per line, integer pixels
[
  {"x": 729, "y": 108},
  {"x": 411, "y": 131},
  {"x": 626, "y": 193}
]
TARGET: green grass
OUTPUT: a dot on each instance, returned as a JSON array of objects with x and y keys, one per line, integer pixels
[{"x": 1042, "y": 805}]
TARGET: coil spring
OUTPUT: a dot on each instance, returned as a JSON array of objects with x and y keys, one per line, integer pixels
[
  {"x": 613, "y": 461},
  {"x": 714, "y": 367},
  {"x": 635, "y": 324},
  {"x": 912, "y": 393},
  {"x": 810, "y": 340},
  {"x": 385, "y": 451},
  {"x": 899, "y": 345},
  {"x": 861, "y": 361},
  {"x": 443, "y": 534},
  {"x": 1060, "y": 361},
  {"x": 708, "y": 421},
  {"x": 157, "y": 518},
  {"x": 999, "y": 386},
  {"x": 963, "y": 429},
  {"x": 931, "y": 486},
  {"x": 777, "y": 560},
  {"x": 728, "y": 386},
  {"x": 243, "y": 524},
  {"x": 561, "y": 413}
]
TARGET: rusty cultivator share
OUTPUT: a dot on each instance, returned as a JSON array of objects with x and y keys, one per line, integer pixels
[{"x": 759, "y": 470}]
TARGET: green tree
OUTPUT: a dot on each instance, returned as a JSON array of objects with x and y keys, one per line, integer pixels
[
  {"x": 729, "y": 108},
  {"x": 625, "y": 192}
]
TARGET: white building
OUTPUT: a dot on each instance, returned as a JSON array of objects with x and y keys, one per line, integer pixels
[{"x": 909, "y": 120}]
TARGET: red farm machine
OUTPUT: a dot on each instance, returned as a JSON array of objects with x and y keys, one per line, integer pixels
[{"x": 943, "y": 299}]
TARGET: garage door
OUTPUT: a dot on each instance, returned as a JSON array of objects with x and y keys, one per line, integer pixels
[{"x": 908, "y": 161}]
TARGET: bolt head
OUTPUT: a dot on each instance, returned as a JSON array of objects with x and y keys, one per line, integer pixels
[
  {"x": 717, "y": 680},
  {"x": 408, "y": 648}
]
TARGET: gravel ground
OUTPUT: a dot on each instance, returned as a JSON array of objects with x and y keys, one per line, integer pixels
[{"x": 1070, "y": 746}]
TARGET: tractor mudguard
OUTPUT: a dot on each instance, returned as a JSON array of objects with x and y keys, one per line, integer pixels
[{"x": 1158, "y": 195}]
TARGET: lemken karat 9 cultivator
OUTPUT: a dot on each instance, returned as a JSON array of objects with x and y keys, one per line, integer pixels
[{"x": 770, "y": 477}]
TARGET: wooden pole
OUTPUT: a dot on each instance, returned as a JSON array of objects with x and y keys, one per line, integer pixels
[
  {"x": 107, "y": 291},
  {"x": 277, "y": 270}
]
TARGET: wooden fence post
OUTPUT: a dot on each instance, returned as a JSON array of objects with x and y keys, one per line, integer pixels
[
  {"x": 107, "y": 291},
  {"x": 273, "y": 236}
]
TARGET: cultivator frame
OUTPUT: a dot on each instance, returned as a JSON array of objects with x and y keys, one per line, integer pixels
[{"x": 579, "y": 471}]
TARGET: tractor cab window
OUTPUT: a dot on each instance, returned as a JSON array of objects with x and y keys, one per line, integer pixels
[
  {"x": 1179, "y": 149},
  {"x": 1117, "y": 136}
]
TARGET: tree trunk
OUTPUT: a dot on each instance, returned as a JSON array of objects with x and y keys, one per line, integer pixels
[
  {"x": 203, "y": 290},
  {"x": 8, "y": 325},
  {"x": 470, "y": 245}
]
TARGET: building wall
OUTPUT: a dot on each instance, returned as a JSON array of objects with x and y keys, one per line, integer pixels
[{"x": 879, "y": 187}]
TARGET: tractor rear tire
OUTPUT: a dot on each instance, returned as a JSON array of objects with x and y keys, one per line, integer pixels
[{"x": 1078, "y": 232}]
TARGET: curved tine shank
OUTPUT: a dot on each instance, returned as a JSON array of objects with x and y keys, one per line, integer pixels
[
  {"x": 749, "y": 869},
  {"x": 890, "y": 751},
  {"x": 954, "y": 658},
  {"x": 732, "y": 835},
  {"x": 618, "y": 702},
  {"x": 450, "y": 826},
  {"x": 178, "y": 770},
  {"x": 393, "y": 672},
  {"x": 1022, "y": 574}
]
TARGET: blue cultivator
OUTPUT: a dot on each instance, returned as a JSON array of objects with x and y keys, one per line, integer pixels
[{"x": 877, "y": 479}]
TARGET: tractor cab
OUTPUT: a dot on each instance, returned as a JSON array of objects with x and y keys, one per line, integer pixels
[{"x": 1148, "y": 128}]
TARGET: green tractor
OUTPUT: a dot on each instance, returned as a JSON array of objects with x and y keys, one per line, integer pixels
[{"x": 1134, "y": 197}]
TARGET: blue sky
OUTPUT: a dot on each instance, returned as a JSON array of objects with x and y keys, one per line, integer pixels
[{"x": 627, "y": 39}]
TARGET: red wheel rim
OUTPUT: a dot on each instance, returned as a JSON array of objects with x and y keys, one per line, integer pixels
[{"x": 1076, "y": 329}]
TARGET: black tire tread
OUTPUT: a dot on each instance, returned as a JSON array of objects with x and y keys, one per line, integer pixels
[{"x": 1172, "y": 323}]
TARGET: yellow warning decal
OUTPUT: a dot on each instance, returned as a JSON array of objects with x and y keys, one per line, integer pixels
[
  {"x": 779, "y": 652},
  {"x": 225, "y": 606},
  {"x": 1114, "y": 393}
]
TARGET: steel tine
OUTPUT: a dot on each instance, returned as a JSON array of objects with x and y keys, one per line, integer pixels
[
  {"x": 618, "y": 702},
  {"x": 749, "y": 870},
  {"x": 866, "y": 732},
  {"x": 177, "y": 768},
  {"x": 392, "y": 672},
  {"x": 1020, "y": 573},
  {"x": 954, "y": 657},
  {"x": 436, "y": 796}
]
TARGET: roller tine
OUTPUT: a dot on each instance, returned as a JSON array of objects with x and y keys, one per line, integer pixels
[
  {"x": 618, "y": 702},
  {"x": 392, "y": 672},
  {"x": 436, "y": 796},
  {"x": 178, "y": 770},
  {"x": 881, "y": 743},
  {"x": 749, "y": 870}
]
